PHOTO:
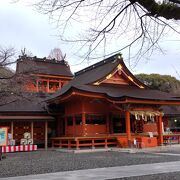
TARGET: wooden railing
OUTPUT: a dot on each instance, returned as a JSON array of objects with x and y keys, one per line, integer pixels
[{"x": 80, "y": 142}]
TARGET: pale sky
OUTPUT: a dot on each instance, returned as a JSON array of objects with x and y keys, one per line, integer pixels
[{"x": 21, "y": 26}]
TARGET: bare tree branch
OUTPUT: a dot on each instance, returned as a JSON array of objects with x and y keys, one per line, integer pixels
[
  {"x": 136, "y": 24},
  {"x": 166, "y": 10}
]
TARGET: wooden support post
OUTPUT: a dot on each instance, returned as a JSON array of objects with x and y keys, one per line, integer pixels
[
  {"x": 106, "y": 146},
  {"x": 160, "y": 133},
  {"x": 107, "y": 124},
  {"x": 128, "y": 128},
  {"x": 32, "y": 130},
  {"x": 60, "y": 142},
  {"x": 69, "y": 143},
  {"x": 65, "y": 125},
  {"x": 37, "y": 85},
  {"x": 53, "y": 142},
  {"x": 47, "y": 88},
  {"x": 93, "y": 146},
  {"x": 74, "y": 124},
  {"x": 12, "y": 129},
  {"x": 46, "y": 135},
  {"x": 60, "y": 85},
  {"x": 111, "y": 125},
  {"x": 77, "y": 143},
  {"x": 83, "y": 124}
]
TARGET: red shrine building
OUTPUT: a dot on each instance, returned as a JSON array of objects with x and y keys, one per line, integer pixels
[{"x": 102, "y": 105}]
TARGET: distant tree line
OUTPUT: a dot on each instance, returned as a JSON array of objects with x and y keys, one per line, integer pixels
[{"x": 164, "y": 83}]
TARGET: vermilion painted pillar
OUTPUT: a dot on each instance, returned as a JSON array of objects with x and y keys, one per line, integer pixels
[
  {"x": 107, "y": 124},
  {"x": 74, "y": 126},
  {"x": 37, "y": 85},
  {"x": 83, "y": 124},
  {"x": 60, "y": 85},
  {"x": 12, "y": 128},
  {"x": 47, "y": 88},
  {"x": 160, "y": 133},
  {"x": 128, "y": 127},
  {"x": 65, "y": 125}
]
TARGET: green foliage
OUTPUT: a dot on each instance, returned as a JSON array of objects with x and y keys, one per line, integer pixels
[{"x": 164, "y": 83}]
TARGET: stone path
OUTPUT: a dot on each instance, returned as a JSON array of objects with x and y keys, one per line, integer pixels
[{"x": 106, "y": 173}]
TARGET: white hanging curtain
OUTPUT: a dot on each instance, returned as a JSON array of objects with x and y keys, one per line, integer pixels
[{"x": 145, "y": 114}]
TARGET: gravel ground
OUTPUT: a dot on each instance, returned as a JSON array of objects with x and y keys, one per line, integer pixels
[{"x": 24, "y": 163}]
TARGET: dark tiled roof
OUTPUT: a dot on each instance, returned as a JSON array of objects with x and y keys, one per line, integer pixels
[
  {"x": 83, "y": 81},
  {"x": 27, "y": 102},
  {"x": 23, "y": 106},
  {"x": 127, "y": 91},
  {"x": 92, "y": 73},
  {"x": 171, "y": 110},
  {"x": 100, "y": 70},
  {"x": 43, "y": 66}
]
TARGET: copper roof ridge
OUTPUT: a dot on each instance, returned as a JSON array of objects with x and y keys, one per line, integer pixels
[{"x": 113, "y": 58}]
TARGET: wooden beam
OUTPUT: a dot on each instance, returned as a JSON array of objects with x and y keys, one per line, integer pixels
[
  {"x": 145, "y": 101},
  {"x": 53, "y": 76},
  {"x": 26, "y": 117}
]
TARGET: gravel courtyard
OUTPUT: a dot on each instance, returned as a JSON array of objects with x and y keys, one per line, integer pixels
[{"x": 25, "y": 163}]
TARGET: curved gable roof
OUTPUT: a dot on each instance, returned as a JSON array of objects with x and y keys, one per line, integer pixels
[{"x": 97, "y": 72}]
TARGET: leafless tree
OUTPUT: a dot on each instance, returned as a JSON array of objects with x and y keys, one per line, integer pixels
[
  {"x": 11, "y": 83},
  {"x": 6, "y": 56},
  {"x": 132, "y": 24},
  {"x": 25, "y": 52},
  {"x": 56, "y": 54}
]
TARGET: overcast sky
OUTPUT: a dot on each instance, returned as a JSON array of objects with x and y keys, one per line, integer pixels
[{"x": 21, "y": 26}]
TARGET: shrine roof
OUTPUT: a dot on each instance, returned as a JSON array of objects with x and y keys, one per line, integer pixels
[
  {"x": 92, "y": 80},
  {"x": 34, "y": 65},
  {"x": 95, "y": 72},
  {"x": 127, "y": 91},
  {"x": 100, "y": 70},
  {"x": 22, "y": 106},
  {"x": 27, "y": 103}
]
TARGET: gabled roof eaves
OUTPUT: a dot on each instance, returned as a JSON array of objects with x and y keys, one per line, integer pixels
[
  {"x": 117, "y": 93},
  {"x": 105, "y": 61}
]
